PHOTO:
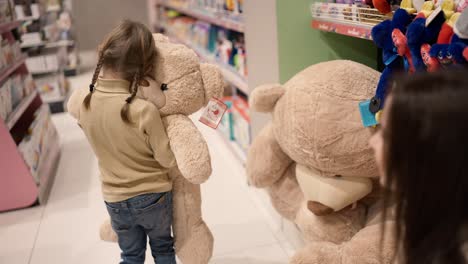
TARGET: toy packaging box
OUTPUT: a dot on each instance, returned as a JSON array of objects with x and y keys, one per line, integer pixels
[
  {"x": 241, "y": 122},
  {"x": 6, "y": 106},
  {"x": 227, "y": 122},
  {"x": 35, "y": 143}
]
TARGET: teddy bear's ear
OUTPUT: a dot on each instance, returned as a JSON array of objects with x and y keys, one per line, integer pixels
[
  {"x": 212, "y": 80},
  {"x": 160, "y": 38},
  {"x": 264, "y": 97}
]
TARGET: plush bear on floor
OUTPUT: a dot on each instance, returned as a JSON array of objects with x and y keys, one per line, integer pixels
[
  {"x": 188, "y": 86},
  {"x": 315, "y": 161}
]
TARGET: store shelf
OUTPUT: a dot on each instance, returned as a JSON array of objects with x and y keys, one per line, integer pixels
[
  {"x": 55, "y": 99},
  {"x": 236, "y": 150},
  {"x": 353, "y": 30},
  {"x": 228, "y": 72},
  {"x": 10, "y": 69},
  {"x": 213, "y": 18},
  {"x": 60, "y": 43},
  {"x": 45, "y": 72},
  {"x": 54, "y": 8},
  {"x": 19, "y": 110},
  {"x": 29, "y": 18},
  {"x": 346, "y": 19},
  {"x": 48, "y": 165},
  {"x": 8, "y": 26},
  {"x": 55, "y": 44}
]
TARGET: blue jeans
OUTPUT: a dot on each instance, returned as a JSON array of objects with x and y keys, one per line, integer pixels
[{"x": 147, "y": 215}]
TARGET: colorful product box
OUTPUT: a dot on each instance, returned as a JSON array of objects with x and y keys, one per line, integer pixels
[
  {"x": 34, "y": 145},
  {"x": 241, "y": 122},
  {"x": 227, "y": 123},
  {"x": 6, "y": 106}
]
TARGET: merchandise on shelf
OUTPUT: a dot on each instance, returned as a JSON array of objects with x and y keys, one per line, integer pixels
[
  {"x": 13, "y": 91},
  {"x": 7, "y": 12},
  {"x": 43, "y": 63},
  {"x": 51, "y": 27},
  {"x": 31, "y": 38},
  {"x": 226, "y": 127},
  {"x": 24, "y": 10},
  {"x": 34, "y": 144},
  {"x": 9, "y": 52},
  {"x": 51, "y": 87},
  {"x": 241, "y": 120},
  {"x": 345, "y": 11},
  {"x": 5, "y": 101},
  {"x": 227, "y": 46},
  {"x": 233, "y": 7}
]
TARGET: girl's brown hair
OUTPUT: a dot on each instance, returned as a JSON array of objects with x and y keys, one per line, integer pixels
[
  {"x": 426, "y": 154},
  {"x": 129, "y": 50}
]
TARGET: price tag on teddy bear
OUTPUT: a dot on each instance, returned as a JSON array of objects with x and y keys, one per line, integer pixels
[{"x": 213, "y": 113}]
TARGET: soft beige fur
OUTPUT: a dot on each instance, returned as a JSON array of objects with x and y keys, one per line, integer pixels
[
  {"x": 190, "y": 86},
  {"x": 316, "y": 123}
]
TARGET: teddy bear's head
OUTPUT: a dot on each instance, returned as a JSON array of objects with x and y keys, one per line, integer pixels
[
  {"x": 316, "y": 118},
  {"x": 187, "y": 84}
]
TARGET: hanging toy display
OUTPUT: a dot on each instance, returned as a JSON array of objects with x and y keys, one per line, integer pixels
[
  {"x": 389, "y": 36},
  {"x": 423, "y": 31},
  {"x": 433, "y": 38}
]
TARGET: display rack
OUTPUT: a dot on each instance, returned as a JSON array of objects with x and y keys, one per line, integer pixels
[
  {"x": 55, "y": 44},
  {"x": 232, "y": 22},
  {"x": 228, "y": 72},
  {"x": 18, "y": 187},
  {"x": 8, "y": 26},
  {"x": 62, "y": 48},
  {"x": 345, "y": 19},
  {"x": 20, "y": 109},
  {"x": 357, "y": 31},
  {"x": 20, "y": 61},
  {"x": 215, "y": 19}
]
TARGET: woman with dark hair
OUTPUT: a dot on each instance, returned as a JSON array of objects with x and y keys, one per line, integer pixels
[{"x": 422, "y": 153}]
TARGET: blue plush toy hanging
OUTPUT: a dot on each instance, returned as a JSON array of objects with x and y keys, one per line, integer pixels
[
  {"x": 454, "y": 53},
  {"x": 382, "y": 34},
  {"x": 419, "y": 33}
]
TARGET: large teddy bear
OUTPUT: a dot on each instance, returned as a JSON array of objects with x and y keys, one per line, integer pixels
[
  {"x": 188, "y": 86},
  {"x": 316, "y": 164}
]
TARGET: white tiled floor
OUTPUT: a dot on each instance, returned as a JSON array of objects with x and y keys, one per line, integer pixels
[{"x": 65, "y": 230}]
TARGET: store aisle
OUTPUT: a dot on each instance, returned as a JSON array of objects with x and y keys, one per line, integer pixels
[{"x": 65, "y": 230}]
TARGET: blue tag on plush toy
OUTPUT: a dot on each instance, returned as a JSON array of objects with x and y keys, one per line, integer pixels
[{"x": 368, "y": 118}]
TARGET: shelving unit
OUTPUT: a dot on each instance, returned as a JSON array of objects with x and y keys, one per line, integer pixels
[
  {"x": 18, "y": 187},
  {"x": 52, "y": 53},
  {"x": 20, "y": 109},
  {"x": 228, "y": 72},
  {"x": 357, "y": 31},
  {"x": 345, "y": 19},
  {"x": 8, "y": 26},
  {"x": 235, "y": 23},
  {"x": 55, "y": 44},
  {"x": 215, "y": 19},
  {"x": 20, "y": 61}
]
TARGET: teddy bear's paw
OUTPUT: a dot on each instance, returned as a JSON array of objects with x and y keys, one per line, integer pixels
[
  {"x": 106, "y": 233},
  {"x": 336, "y": 227},
  {"x": 196, "y": 247},
  {"x": 318, "y": 253}
]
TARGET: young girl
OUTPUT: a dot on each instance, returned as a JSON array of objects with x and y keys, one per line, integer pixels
[
  {"x": 422, "y": 153},
  {"x": 131, "y": 145}
]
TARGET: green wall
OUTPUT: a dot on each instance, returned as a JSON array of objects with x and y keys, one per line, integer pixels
[{"x": 301, "y": 46}]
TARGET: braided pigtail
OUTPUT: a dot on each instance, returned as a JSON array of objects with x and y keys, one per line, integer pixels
[
  {"x": 87, "y": 100},
  {"x": 124, "y": 113}
]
